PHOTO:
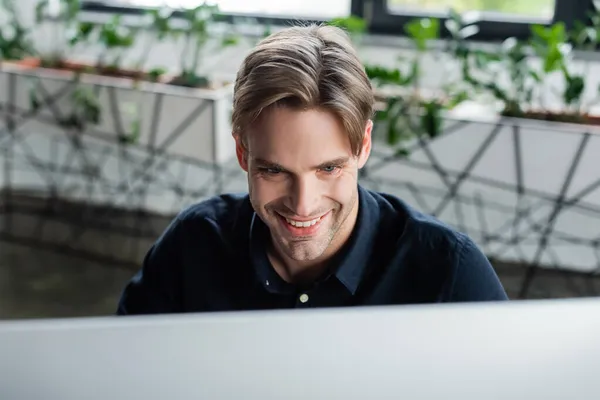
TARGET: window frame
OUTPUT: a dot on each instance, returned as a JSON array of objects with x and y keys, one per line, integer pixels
[
  {"x": 567, "y": 11},
  {"x": 381, "y": 21},
  {"x": 99, "y": 6}
]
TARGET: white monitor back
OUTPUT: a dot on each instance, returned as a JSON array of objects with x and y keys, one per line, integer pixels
[{"x": 513, "y": 350}]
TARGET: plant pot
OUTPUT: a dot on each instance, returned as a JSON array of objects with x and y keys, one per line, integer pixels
[
  {"x": 78, "y": 67},
  {"x": 572, "y": 118},
  {"x": 149, "y": 135}
]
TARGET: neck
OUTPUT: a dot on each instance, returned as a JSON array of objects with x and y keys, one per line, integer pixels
[
  {"x": 296, "y": 272},
  {"x": 302, "y": 272}
]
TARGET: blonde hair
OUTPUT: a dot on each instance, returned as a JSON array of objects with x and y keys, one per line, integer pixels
[{"x": 305, "y": 67}]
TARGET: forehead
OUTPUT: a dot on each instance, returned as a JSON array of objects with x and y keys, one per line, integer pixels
[{"x": 298, "y": 138}]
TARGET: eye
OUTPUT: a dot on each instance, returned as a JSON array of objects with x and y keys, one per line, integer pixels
[
  {"x": 330, "y": 169},
  {"x": 270, "y": 171}
]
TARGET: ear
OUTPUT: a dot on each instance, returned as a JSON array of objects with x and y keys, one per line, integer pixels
[
  {"x": 366, "y": 145},
  {"x": 241, "y": 152}
]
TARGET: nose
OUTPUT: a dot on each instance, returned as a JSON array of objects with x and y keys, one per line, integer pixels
[{"x": 304, "y": 197}]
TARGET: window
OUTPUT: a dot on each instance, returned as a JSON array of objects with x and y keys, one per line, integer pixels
[
  {"x": 538, "y": 9},
  {"x": 290, "y": 9},
  {"x": 498, "y": 20}
]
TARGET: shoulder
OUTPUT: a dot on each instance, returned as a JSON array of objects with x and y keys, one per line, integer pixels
[
  {"x": 218, "y": 220},
  {"x": 201, "y": 235},
  {"x": 438, "y": 254},
  {"x": 406, "y": 223},
  {"x": 225, "y": 211}
]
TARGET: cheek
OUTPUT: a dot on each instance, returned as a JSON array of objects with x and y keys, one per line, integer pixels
[
  {"x": 343, "y": 188},
  {"x": 265, "y": 191}
]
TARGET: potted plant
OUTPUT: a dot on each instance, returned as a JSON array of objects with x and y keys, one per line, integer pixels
[
  {"x": 197, "y": 31},
  {"x": 524, "y": 76},
  {"x": 15, "y": 42},
  {"x": 408, "y": 109},
  {"x": 115, "y": 39},
  {"x": 59, "y": 18},
  {"x": 157, "y": 25}
]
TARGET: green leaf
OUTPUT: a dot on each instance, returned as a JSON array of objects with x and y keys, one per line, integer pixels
[
  {"x": 199, "y": 26},
  {"x": 352, "y": 24},
  {"x": 457, "y": 98},
  {"x": 40, "y": 10},
  {"x": 86, "y": 105},
  {"x": 402, "y": 152},
  {"x": 73, "y": 8},
  {"x": 381, "y": 115},
  {"x": 383, "y": 75},
  {"x": 34, "y": 102},
  {"x": 80, "y": 33},
  {"x": 113, "y": 34},
  {"x": 483, "y": 58},
  {"x": 553, "y": 60},
  {"x": 431, "y": 120},
  {"x": 582, "y": 34},
  {"x": 575, "y": 86},
  {"x": 422, "y": 30},
  {"x": 390, "y": 117},
  {"x": 414, "y": 71},
  {"x": 267, "y": 31},
  {"x": 592, "y": 34},
  {"x": 536, "y": 77},
  {"x": 156, "y": 73},
  {"x": 133, "y": 136},
  {"x": 516, "y": 54},
  {"x": 553, "y": 34},
  {"x": 229, "y": 40},
  {"x": 559, "y": 32},
  {"x": 85, "y": 29},
  {"x": 538, "y": 30}
]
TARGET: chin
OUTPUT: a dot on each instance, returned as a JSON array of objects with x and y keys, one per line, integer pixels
[{"x": 303, "y": 252}]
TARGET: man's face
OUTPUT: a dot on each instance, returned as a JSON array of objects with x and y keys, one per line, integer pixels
[{"x": 302, "y": 179}]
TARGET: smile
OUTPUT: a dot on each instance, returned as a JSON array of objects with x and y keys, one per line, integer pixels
[
  {"x": 302, "y": 229},
  {"x": 302, "y": 224}
]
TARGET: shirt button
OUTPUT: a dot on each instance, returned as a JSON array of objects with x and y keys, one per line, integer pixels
[{"x": 303, "y": 298}]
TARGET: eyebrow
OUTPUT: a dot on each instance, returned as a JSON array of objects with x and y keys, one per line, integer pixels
[{"x": 336, "y": 161}]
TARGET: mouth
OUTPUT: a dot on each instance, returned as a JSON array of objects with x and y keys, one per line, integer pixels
[{"x": 302, "y": 228}]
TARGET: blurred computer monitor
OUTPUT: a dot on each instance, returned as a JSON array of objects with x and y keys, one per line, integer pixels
[{"x": 485, "y": 351}]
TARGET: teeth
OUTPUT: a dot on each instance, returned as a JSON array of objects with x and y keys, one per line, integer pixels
[{"x": 302, "y": 224}]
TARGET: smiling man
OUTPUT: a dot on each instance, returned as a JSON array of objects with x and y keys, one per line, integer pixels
[{"x": 307, "y": 234}]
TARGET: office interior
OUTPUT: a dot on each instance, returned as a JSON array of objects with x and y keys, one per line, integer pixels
[{"x": 99, "y": 153}]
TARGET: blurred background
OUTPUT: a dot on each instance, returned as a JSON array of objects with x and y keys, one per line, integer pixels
[{"x": 114, "y": 115}]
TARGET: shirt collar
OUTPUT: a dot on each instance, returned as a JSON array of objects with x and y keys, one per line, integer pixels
[{"x": 351, "y": 262}]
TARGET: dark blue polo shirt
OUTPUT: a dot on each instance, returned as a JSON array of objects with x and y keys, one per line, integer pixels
[{"x": 213, "y": 257}]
